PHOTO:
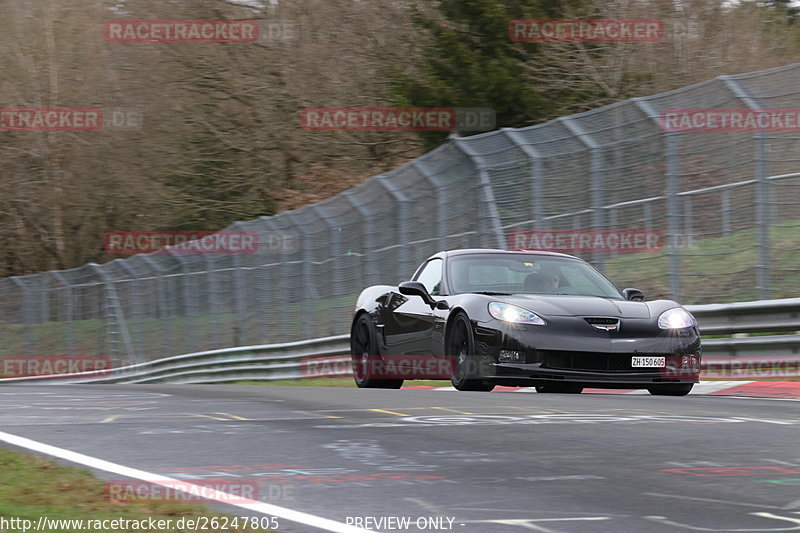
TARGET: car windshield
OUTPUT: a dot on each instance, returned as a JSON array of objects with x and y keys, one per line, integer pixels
[{"x": 527, "y": 274}]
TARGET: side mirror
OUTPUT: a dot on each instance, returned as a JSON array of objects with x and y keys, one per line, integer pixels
[
  {"x": 415, "y": 288},
  {"x": 634, "y": 295}
]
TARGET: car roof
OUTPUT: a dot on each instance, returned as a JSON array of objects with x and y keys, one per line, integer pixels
[{"x": 483, "y": 251}]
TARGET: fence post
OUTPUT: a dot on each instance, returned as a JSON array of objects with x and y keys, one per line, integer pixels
[
  {"x": 114, "y": 315},
  {"x": 597, "y": 182},
  {"x": 188, "y": 306},
  {"x": 309, "y": 258},
  {"x": 136, "y": 338},
  {"x": 673, "y": 188},
  {"x": 726, "y": 212},
  {"x": 163, "y": 307},
  {"x": 537, "y": 189},
  {"x": 673, "y": 215},
  {"x": 441, "y": 201},
  {"x": 337, "y": 267},
  {"x": 68, "y": 309},
  {"x": 688, "y": 218},
  {"x": 402, "y": 225},
  {"x": 26, "y": 318},
  {"x": 240, "y": 292},
  {"x": 372, "y": 274},
  {"x": 763, "y": 188},
  {"x": 489, "y": 213}
]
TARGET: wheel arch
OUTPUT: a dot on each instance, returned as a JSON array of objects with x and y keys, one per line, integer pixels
[
  {"x": 380, "y": 341},
  {"x": 450, "y": 318},
  {"x": 356, "y": 317}
]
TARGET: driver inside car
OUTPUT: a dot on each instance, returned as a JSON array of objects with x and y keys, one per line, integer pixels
[{"x": 541, "y": 282}]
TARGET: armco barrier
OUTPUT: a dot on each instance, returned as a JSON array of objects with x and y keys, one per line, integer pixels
[
  {"x": 260, "y": 363},
  {"x": 748, "y": 317},
  {"x": 290, "y": 360}
]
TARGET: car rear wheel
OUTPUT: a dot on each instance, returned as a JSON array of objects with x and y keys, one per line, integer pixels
[
  {"x": 364, "y": 355},
  {"x": 465, "y": 370},
  {"x": 671, "y": 390},
  {"x": 563, "y": 388}
]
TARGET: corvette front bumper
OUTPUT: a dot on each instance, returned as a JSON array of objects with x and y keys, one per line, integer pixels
[{"x": 569, "y": 350}]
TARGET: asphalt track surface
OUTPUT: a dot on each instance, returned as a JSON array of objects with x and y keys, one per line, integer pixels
[{"x": 444, "y": 461}]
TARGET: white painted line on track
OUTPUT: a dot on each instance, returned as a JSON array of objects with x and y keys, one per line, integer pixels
[
  {"x": 213, "y": 495},
  {"x": 762, "y": 398},
  {"x": 707, "y": 387}
]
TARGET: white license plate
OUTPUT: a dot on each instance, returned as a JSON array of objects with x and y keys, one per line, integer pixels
[{"x": 648, "y": 362}]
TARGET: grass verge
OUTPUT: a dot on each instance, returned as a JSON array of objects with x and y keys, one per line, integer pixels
[{"x": 32, "y": 487}]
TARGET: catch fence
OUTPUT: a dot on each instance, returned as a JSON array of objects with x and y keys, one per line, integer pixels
[{"x": 725, "y": 204}]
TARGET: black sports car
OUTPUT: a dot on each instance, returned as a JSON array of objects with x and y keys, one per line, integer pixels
[{"x": 494, "y": 317}]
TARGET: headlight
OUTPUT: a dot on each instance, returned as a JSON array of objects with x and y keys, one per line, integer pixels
[
  {"x": 512, "y": 313},
  {"x": 676, "y": 318}
]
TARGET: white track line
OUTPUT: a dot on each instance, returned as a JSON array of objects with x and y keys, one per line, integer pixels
[
  {"x": 214, "y": 495},
  {"x": 707, "y": 387}
]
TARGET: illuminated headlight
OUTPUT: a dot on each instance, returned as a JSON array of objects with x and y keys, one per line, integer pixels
[
  {"x": 676, "y": 318},
  {"x": 512, "y": 313}
]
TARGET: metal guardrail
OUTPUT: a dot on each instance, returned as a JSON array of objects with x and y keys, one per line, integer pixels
[
  {"x": 748, "y": 317},
  {"x": 762, "y": 316},
  {"x": 296, "y": 360},
  {"x": 259, "y": 363}
]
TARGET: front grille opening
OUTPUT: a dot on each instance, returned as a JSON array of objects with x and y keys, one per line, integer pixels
[
  {"x": 602, "y": 321},
  {"x": 591, "y": 362}
]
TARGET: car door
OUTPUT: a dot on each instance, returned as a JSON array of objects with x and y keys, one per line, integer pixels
[{"x": 409, "y": 327}]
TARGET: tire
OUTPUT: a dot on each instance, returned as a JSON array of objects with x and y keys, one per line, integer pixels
[
  {"x": 465, "y": 364},
  {"x": 562, "y": 388},
  {"x": 671, "y": 390},
  {"x": 364, "y": 352}
]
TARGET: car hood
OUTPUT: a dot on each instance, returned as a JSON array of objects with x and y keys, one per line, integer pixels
[{"x": 580, "y": 306}]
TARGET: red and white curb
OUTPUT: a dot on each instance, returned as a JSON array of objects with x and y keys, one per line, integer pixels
[{"x": 751, "y": 389}]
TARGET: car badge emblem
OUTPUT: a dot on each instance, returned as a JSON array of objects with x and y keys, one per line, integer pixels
[
  {"x": 611, "y": 328},
  {"x": 605, "y": 328}
]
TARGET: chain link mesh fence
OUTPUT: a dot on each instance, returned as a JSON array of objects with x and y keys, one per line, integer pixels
[{"x": 727, "y": 204}]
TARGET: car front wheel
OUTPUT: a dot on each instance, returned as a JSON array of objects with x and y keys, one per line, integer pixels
[{"x": 465, "y": 370}]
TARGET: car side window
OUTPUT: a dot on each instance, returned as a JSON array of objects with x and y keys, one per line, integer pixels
[{"x": 431, "y": 276}]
